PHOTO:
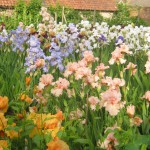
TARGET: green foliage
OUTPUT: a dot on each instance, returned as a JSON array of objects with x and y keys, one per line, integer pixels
[
  {"x": 20, "y": 6},
  {"x": 93, "y": 16},
  {"x": 70, "y": 14},
  {"x": 34, "y": 7},
  {"x": 26, "y": 13},
  {"x": 129, "y": 141},
  {"x": 139, "y": 21},
  {"x": 121, "y": 16},
  {"x": 11, "y": 72},
  {"x": 74, "y": 16}
]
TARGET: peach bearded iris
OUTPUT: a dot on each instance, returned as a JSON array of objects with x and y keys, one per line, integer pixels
[
  {"x": 131, "y": 67},
  {"x": 131, "y": 110},
  {"x": 147, "y": 96},
  {"x": 136, "y": 121},
  {"x": 147, "y": 65},
  {"x": 111, "y": 100},
  {"x": 40, "y": 63},
  {"x": 118, "y": 54},
  {"x": 93, "y": 101},
  {"x": 45, "y": 80},
  {"x": 60, "y": 85}
]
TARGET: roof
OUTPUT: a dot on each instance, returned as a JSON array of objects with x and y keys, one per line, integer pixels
[
  {"x": 101, "y": 5},
  {"x": 7, "y": 3}
]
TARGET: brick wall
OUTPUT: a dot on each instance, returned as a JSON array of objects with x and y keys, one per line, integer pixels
[{"x": 145, "y": 13}]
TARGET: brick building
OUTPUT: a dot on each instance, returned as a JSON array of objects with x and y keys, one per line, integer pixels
[
  {"x": 106, "y": 7},
  {"x": 101, "y": 5},
  {"x": 140, "y": 8}
]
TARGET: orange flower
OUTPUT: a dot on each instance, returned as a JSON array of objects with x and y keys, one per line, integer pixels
[
  {"x": 34, "y": 131},
  {"x": 46, "y": 123},
  {"x": 32, "y": 109},
  {"x": 23, "y": 96},
  {"x": 20, "y": 116},
  {"x": 26, "y": 98},
  {"x": 3, "y": 122},
  {"x": 28, "y": 80},
  {"x": 57, "y": 145},
  {"x": 3, "y": 104},
  {"x": 55, "y": 131},
  {"x": 51, "y": 123},
  {"x": 38, "y": 120},
  {"x": 11, "y": 133},
  {"x": 3, "y": 144},
  {"x": 59, "y": 115}
]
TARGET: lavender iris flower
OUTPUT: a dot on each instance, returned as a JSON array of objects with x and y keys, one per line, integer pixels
[
  {"x": 19, "y": 37},
  {"x": 102, "y": 38},
  {"x": 4, "y": 37},
  {"x": 120, "y": 40},
  {"x": 33, "y": 54}
]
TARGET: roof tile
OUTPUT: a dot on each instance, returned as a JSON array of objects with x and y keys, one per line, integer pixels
[{"x": 102, "y": 5}]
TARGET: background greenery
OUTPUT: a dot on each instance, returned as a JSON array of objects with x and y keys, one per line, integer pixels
[{"x": 28, "y": 13}]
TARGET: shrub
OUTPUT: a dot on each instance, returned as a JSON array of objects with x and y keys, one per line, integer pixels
[{"x": 73, "y": 15}]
